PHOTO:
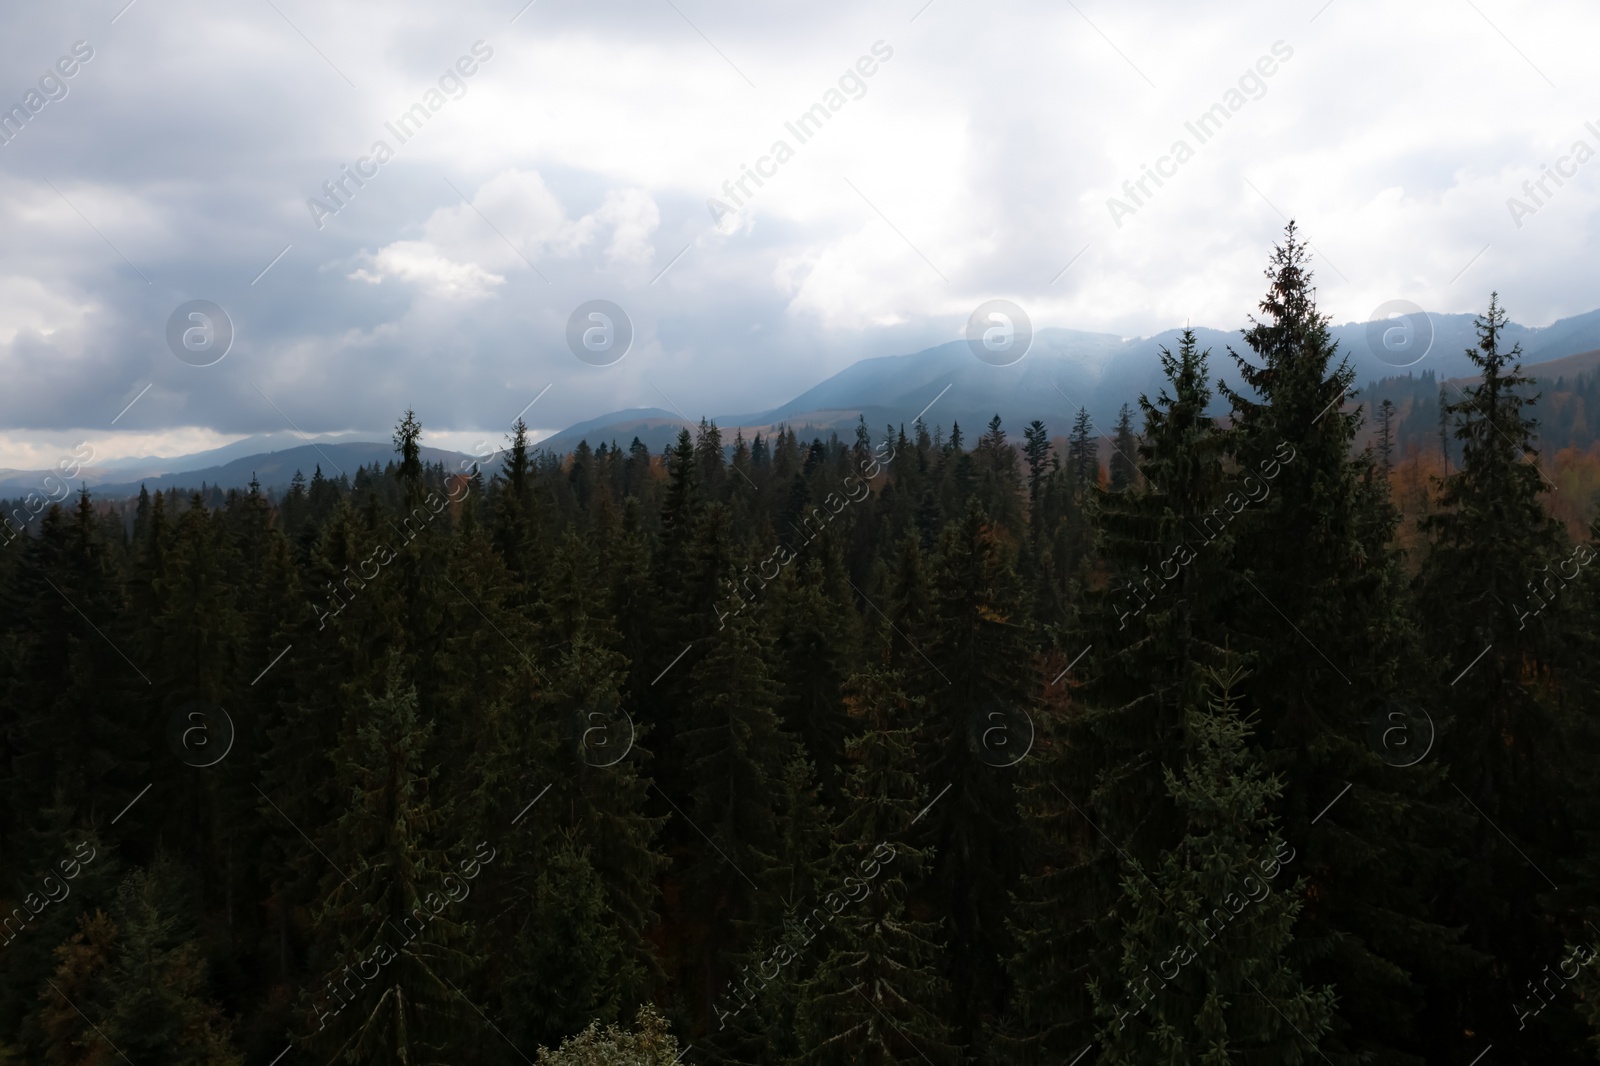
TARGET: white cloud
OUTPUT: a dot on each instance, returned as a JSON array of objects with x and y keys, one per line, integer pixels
[
  {"x": 421, "y": 263},
  {"x": 514, "y": 221}
]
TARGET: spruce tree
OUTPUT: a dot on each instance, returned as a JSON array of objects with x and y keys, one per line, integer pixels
[
  {"x": 1125, "y": 445},
  {"x": 1083, "y": 452},
  {"x": 1319, "y": 612},
  {"x": 1096, "y": 795},
  {"x": 1493, "y": 593},
  {"x": 392, "y": 956},
  {"x": 878, "y": 996},
  {"x": 1205, "y": 973},
  {"x": 978, "y": 681},
  {"x": 735, "y": 754}
]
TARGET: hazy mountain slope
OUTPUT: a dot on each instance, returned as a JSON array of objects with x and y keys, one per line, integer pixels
[{"x": 274, "y": 470}]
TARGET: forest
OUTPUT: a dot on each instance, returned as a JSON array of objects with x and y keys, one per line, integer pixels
[{"x": 1214, "y": 740}]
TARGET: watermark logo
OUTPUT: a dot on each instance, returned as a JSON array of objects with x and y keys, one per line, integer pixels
[
  {"x": 52, "y": 87},
  {"x": 599, "y": 332},
  {"x": 200, "y": 733},
  {"x": 339, "y": 192},
  {"x": 1252, "y": 85},
  {"x": 200, "y": 333},
  {"x": 852, "y": 85},
  {"x": 1399, "y": 333},
  {"x": 999, "y": 332},
  {"x": 1001, "y": 736},
  {"x": 1402, "y": 735},
  {"x": 1539, "y": 192},
  {"x": 607, "y": 736}
]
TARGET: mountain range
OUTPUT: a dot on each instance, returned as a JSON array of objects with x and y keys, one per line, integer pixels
[{"x": 1063, "y": 370}]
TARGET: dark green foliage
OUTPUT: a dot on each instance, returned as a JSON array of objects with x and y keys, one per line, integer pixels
[
  {"x": 834, "y": 750},
  {"x": 1204, "y": 974},
  {"x": 878, "y": 995}
]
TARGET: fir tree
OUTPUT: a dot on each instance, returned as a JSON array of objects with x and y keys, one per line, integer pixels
[
  {"x": 1037, "y": 452},
  {"x": 1097, "y": 797}
]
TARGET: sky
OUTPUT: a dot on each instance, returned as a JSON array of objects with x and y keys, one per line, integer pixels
[{"x": 563, "y": 152}]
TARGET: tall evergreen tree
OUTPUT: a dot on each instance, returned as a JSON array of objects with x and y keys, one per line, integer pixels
[
  {"x": 1124, "y": 471},
  {"x": 1312, "y": 554},
  {"x": 1083, "y": 452},
  {"x": 1098, "y": 797},
  {"x": 1492, "y": 591},
  {"x": 978, "y": 682}
]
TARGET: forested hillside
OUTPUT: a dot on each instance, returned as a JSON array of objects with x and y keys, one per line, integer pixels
[{"x": 932, "y": 745}]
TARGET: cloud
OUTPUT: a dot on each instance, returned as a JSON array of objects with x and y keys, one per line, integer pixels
[
  {"x": 421, "y": 263},
  {"x": 589, "y": 145},
  {"x": 513, "y": 221}
]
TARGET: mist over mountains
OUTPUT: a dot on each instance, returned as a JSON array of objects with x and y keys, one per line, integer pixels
[{"x": 1063, "y": 370}]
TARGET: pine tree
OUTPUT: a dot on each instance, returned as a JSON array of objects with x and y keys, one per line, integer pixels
[
  {"x": 517, "y": 519},
  {"x": 815, "y": 637},
  {"x": 157, "y": 1009},
  {"x": 735, "y": 754},
  {"x": 978, "y": 695},
  {"x": 710, "y": 458},
  {"x": 1386, "y": 435},
  {"x": 132, "y": 983}
]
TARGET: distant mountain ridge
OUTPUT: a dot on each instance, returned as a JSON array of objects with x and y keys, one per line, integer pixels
[
  {"x": 274, "y": 470},
  {"x": 1063, "y": 370}
]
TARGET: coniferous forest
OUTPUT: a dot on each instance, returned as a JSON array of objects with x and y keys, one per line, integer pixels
[{"x": 999, "y": 744}]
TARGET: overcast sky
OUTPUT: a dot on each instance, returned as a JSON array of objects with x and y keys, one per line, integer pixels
[{"x": 575, "y": 163}]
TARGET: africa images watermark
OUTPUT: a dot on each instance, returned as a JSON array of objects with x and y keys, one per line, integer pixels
[
  {"x": 1565, "y": 167},
  {"x": 33, "y": 904},
  {"x": 1207, "y": 126},
  {"x": 383, "y": 555},
  {"x": 426, "y": 910},
  {"x": 33, "y": 503},
  {"x": 408, "y": 125},
  {"x": 782, "y": 556},
  {"x": 1581, "y": 556},
  {"x": 802, "y": 933},
  {"x": 1232, "y": 504},
  {"x": 803, "y": 128},
  {"x": 52, "y": 86},
  {"x": 1577, "y": 957}
]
